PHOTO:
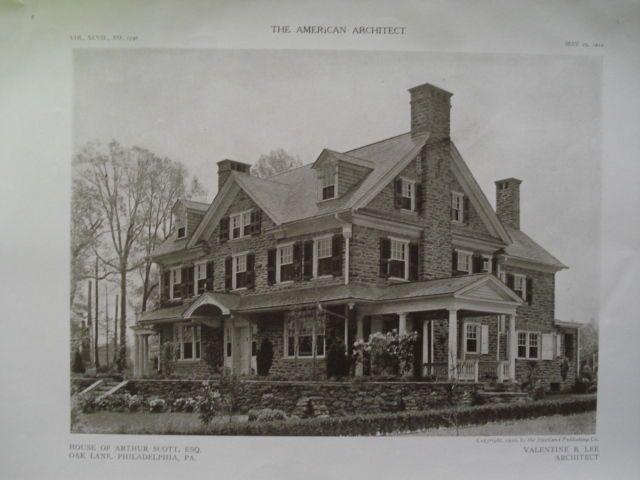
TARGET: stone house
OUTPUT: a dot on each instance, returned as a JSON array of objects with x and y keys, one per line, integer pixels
[{"x": 392, "y": 235}]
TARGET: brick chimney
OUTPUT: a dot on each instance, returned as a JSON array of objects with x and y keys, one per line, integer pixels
[
  {"x": 508, "y": 202},
  {"x": 225, "y": 167},
  {"x": 430, "y": 111}
]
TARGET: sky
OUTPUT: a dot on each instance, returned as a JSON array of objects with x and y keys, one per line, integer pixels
[{"x": 534, "y": 117}]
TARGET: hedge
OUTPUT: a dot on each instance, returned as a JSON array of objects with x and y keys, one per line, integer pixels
[{"x": 389, "y": 423}]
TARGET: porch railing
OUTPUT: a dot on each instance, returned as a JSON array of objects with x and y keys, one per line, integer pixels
[
  {"x": 436, "y": 371},
  {"x": 468, "y": 370}
]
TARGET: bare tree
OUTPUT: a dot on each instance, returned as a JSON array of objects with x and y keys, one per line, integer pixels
[
  {"x": 276, "y": 161},
  {"x": 116, "y": 182}
]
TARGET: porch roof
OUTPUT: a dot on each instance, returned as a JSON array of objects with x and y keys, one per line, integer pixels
[{"x": 336, "y": 294}]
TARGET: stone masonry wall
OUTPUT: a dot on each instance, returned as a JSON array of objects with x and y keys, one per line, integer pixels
[
  {"x": 350, "y": 175},
  {"x": 335, "y": 398}
]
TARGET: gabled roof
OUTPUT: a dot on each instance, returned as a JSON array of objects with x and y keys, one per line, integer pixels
[{"x": 525, "y": 248}]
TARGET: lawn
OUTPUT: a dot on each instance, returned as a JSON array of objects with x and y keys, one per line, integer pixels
[
  {"x": 188, "y": 423},
  {"x": 576, "y": 424}
]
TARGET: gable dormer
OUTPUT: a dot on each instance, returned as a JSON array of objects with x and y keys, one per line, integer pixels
[
  {"x": 337, "y": 173},
  {"x": 186, "y": 215}
]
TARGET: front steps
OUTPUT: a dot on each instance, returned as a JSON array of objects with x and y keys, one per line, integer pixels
[{"x": 103, "y": 387}]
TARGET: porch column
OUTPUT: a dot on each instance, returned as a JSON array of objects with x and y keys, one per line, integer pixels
[
  {"x": 402, "y": 323},
  {"x": 359, "y": 336},
  {"x": 145, "y": 355},
  {"x": 452, "y": 353},
  {"x": 513, "y": 347},
  {"x": 136, "y": 356}
]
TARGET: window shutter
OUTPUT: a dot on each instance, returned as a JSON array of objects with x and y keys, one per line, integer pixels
[
  {"x": 477, "y": 263},
  {"x": 385, "y": 253},
  {"x": 529, "y": 290},
  {"x": 209, "y": 282},
  {"x": 336, "y": 255},
  {"x": 256, "y": 222},
  {"x": 465, "y": 211},
  {"x": 271, "y": 265},
  {"x": 547, "y": 346},
  {"x": 398, "y": 193},
  {"x": 559, "y": 343},
  {"x": 228, "y": 273},
  {"x": 484, "y": 344},
  {"x": 296, "y": 255},
  {"x": 251, "y": 270},
  {"x": 510, "y": 281},
  {"x": 166, "y": 285},
  {"x": 413, "y": 261},
  {"x": 494, "y": 265},
  {"x": 187, "y": 282},
  {"x": 224, "y": 229},
  {"x": 307, "y": 260},
  {"x": 419, "y": 197},
  {"x": 454, "y": 262}
]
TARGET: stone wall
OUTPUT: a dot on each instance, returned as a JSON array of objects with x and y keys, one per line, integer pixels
[{"x": 339, "y": 398}]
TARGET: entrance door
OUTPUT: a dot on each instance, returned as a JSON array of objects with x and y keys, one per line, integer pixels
[{"x": 242, "y": 350}]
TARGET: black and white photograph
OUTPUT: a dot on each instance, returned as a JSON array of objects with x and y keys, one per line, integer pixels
[{"x": 341, "y": 244}]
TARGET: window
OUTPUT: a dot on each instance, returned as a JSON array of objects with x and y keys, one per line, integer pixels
[
  {"x": 240, "y": 271},
  {"x": 408, "y": 194},
  {"x": 520, "y": 285},
  {"x": 464, "y": 261},
  {"x": 188, "y": 338},
  {"x": 398, "y": 264},
  {"x": 328, "y": 182},
  {"x": 457, "y": 207},
  {"x": 182, "y": 232},
  {"x": 472, "y": 338},
  {"x": 324, "y": 254},
  {"x": 528, "y": 345},
  {"x": 285, "y": 271},
  {"x": 487, "y": 262},
  {"x": 239, "y": 224},
  {"x": 303, "y": 337},
  {"x": 200, "y": 272},
  {"x": 176, "y": 283}
]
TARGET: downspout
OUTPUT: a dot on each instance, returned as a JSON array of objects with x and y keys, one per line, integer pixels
[{"x": 346, "y": 233}]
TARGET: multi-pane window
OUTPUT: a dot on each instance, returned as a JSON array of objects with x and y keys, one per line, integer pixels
[
  {"x": 487, "y": 263},
  {"x": 176, "y": 283},
  {"x": 528, "y": 345},
  {"x": 324, "y": 253},
  {"x": 472, "y": 338},
  {"x": 200, "y": 272},
  {"x": 238, "y": 224},
  {"x": 182, "y": 232},
  {"x": 457, "y": 207},
  {"x": 189, "y": 341},
  {"x": 398, "y": 265},
  {"x": 327, "y": 181},
  {"x": 303, "y": 337},
  {"x": 285, "y": 263},
  {"x": 408, "y": 194},
  {"x": 464, "y": 261},
  {"x": 520, "y": 285},
  {"x": 240, "y": 271}
]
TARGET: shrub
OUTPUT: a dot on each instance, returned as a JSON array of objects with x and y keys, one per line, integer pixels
[
  {"x": 337, "y": 362},
  {"x": 85, "y": 403},
  {"x": 169, "y": 352},
  {"x": 133, "y": 403},
  {"x": 78, "y": 364},
  {"x": 157, "y": 405},
  {"x": 209, "y": 404},
  {"x": 187, "y": 404},
  {"x": 264, "y": 357}
]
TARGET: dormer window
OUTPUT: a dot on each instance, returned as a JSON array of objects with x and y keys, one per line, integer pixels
[
  {"x": 328, "y": 182},
  {"x": 182, "y": 232}
]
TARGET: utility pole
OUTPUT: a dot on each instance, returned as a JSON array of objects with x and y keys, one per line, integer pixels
[
  {"x": 106, "y": 323},
  {"x": 115, "y": 333},
  {"x": 90, "y": 324},
  {"x": 95, "y": 337}
]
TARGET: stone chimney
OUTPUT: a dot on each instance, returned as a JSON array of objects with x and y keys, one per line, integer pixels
[
  {"x": 225, "y": 167},
  {"x": 508, "y": 202},
  {"x": 430, "y": 111}
]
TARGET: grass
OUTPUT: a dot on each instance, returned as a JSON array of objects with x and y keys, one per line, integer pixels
[{"x": 576, "y": 424}]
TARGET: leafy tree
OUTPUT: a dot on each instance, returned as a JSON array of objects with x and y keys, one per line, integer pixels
[{"x": 276, "y": 161}]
